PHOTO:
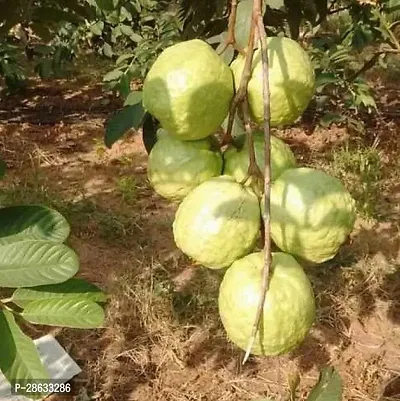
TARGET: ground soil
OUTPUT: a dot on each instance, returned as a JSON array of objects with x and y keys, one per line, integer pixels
[{"x": 163, "y": 339}]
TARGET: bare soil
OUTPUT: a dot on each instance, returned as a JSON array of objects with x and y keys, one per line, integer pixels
[{"x": 163, "y": 339}]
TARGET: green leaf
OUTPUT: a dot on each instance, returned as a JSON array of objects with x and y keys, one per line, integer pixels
[
  {"x": 3, "y": 168},
  {"x": 124, "y": 57},
  {"x": 329, "y": 118},
  {"x": 133, "y": 98},
  {"x": 74, "y": 313},
  {"x": 19, "y": 357},
  {"x": 33, "y": 263},
  {"x": 44, "y": 68},
  {"x": 328, "y": 388},
  {"x": 124, "y": 86},
  {"x": 124, "y": 14},
  {"x": 97, "y": 28},
  {"x": 275, "y": 4},
  {"x": 106, "y": 5},
  {"x": 243, "y": 21},
  {"x": 74, "y": 288},
  {"x": 149, "y": 134},
  {"x": 32, "y": 222},
  {"x": 107, "y": 50},
  {"x": 324, "y": 79},
  {"x": 135, "y": 37},
  {"x": 127, "y": 118},
  {"x": 113, "y": 75}
]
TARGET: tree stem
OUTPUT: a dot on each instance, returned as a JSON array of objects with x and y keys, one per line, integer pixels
[
  {"x": 241, "y": 93},
  {"x": 258, "y": 22},
  {"x": 230, "y": 39}
]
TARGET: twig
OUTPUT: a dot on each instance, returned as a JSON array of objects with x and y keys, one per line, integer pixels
[
  {"x": 258, "y": 21},
  {"x": 370, "y": 63},
  {"x": 230, "y": 39},
  {"x": 242, "y": 90},
  {"x": 253, "y": 169}
]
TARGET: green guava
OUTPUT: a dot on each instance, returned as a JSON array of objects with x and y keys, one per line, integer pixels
[
  {"x": 189, "y": 89},
  {"x": 176, "y": 167},
  {"x": 291, "y": 81},
  {"x": 236, "y": 157},
  {"x": 289, "y": 308},
  {"x": 312, "y": 214},
  {"x": 218, "y": 222}
]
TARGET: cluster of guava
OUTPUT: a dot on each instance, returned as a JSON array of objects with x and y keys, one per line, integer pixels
[{"x": 189, "y": 90}]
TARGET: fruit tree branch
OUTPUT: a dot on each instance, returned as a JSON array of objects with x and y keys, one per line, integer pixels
[
  {"x": 241, "y": 93},
  {"x": 253, "y": 169},
  {"x": 231, "y": 39},
  {"x": 258, "y": 22}
]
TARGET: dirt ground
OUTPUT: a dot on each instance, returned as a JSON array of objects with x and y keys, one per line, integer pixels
[{"x": 163, "y": 339}]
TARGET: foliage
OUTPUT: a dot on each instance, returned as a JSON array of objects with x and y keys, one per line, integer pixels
[
  {"x": 328, "y": 387},
  {"x": 340, "y": 61},
  {"x": 37, "y": 276}
]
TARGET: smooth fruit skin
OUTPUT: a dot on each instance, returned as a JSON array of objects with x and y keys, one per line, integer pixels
[
  {"x": 189, "y": 89},
  {"x": 291, "y": 81},
  {"x": 218, "y": 222},
  {"x": 236, "y": 157},
  {"x": 289, "y": 308},
  {"x": 176, "y": 167},
  {"x": 312, "y": 214}
]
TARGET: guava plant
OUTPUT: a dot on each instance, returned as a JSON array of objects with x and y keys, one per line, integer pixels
[
  {"x": 37, "y": 286},
  {"x": 195, "y": 92}
]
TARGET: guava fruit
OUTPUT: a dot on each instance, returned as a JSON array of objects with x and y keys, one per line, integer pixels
[
  {"x": 189, "y": 89},
  {"x": 236, "y": 156},
  {"x": 289, "y": 308},
  {"x": 176, "y": 167},
  {"x": 291, "y": 81},
  {"x": 312, "y": 214},
  {"x": 218, "y": 222}
]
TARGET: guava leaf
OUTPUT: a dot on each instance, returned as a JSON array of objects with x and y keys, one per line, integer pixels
[
  {"x": 19, "y": 357},
  {"x": 328, "y": 388},
  {"x": 32, "y": 263},
  {"x": 149, "y": 135},
  {"x": 113, "y": 75},
  {"x": 133, "y": 98},
  {"x": 73, "y": 313},
  {"x": 32, "y": 222},
  {"x": 329, "y": 118},
  {"x": 243, "y": 21},
  {"x": 97, "y": 28},
  {"x": 74, "y": 288},
  {"x": 127, "y": 118}
]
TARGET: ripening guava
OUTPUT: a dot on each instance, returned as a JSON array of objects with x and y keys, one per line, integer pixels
[
  {"x": 312, "y": 214},
  {"x": 289, "y": 308},
  {"x": 291, "y": 81},
  {"x": 189, "y": 89},
  {"x": 218, "y": 222},
  {"x": 176, "y": 167},
  {"x": 236, "y": 157}
]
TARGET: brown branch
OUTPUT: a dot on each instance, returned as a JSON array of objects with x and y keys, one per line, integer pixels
[
  {"x": 230, "y": 39},
  {"x": 258, "y": 21},
  {"x": 253, "y": 170},
  {"x": 240, "y": 95}
]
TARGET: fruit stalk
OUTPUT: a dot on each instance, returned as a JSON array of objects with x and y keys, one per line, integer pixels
[{"x": 262, "y": 36}]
